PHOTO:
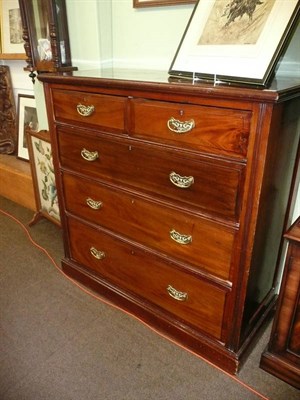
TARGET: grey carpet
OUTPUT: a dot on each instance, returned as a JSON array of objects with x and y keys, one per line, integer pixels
[{"x": 59, "y": 343}]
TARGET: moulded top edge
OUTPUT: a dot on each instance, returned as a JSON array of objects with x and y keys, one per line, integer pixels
[{"x": 280, "y": 89}]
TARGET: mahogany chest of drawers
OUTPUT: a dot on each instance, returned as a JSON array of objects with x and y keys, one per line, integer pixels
[
  {"x": 282, "y": 356},
  {"x": 173, "y": 199}
]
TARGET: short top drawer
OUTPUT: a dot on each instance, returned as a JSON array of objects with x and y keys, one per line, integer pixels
[
  {"x": 89, "y": 109},
  {"x": 196, "y": 302},
  {"x": 211, "y": 129},
  {"x": 213, "y": 186}
]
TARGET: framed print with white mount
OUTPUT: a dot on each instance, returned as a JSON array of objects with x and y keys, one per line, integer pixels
[
  {"x": 236, "y": 41},
  {"x": 27, "y": 119},
  {"x": 11, "y": 27}
]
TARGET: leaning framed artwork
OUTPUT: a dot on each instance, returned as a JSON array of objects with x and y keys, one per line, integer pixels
[
  {"x": 42, "y": 170},
  {"x": 11, "y": 27},
  {"x": 235, "y": 41},
  {"x": 156, "y": 3},
  {"x": 27, "y": 118}
]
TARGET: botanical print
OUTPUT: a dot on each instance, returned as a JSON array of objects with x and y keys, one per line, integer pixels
[
  {"x": 45, "y": 177},
  {"x": 236, "y": 22}
]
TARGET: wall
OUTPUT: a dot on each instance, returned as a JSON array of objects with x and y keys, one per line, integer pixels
[
  {"x": 113, "y": 32},
  {"x": 147, "y": 37},
  {"x": 89, "y": 32}
]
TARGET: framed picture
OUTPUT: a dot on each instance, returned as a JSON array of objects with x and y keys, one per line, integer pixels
[
  {"x": 27, "y": 119},
  {"x": 156, "y": 3},
  {"x": 41, "y": 164},
  {"x": 235, "y": 41},
  {"x": 11, "y": 27}
]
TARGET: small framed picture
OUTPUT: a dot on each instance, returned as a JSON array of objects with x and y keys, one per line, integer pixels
[
  {"x": 27, "y": 119},
  {"x": 42, "y": 170},
  {"x": 11, "y": 27},
  {"x": 235, "y": 41}
]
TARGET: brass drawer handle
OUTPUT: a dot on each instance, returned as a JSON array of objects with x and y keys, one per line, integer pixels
[
  {"x": 179, "y": 238},
  {"x": 183, "y": 182},
  {"x": 97, "y": 253},
  {"x": 94, "y": 204},
  {"x": 89, "y": 155},
  {"x": 180, "y": 126},
  {"x": 176, "y": 294},
  {"x": 85, "y": 111}
]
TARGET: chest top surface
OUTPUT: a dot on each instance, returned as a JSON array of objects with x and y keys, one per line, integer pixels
[{"x": 129, "y": 79}]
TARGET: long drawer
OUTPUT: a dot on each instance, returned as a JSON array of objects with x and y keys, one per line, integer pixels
[
  {"x": 192, "y": 300},
  {"x": 88, "y": 109},
  {"x": 214, "y": 186},
  {"x": 175, "y": 232},
  {"x": 210, "y": 129}
]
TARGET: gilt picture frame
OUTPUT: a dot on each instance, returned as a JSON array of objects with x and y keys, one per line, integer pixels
[
  {"x": 158, "y": 3},
  {"x": 11, "y": 28},
  {"x": 225, "y": 42},
  {"x": 43, "y": 177},
  {"x": 27, "y": 119}
]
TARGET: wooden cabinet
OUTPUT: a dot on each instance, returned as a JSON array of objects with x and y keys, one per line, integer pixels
[
  {"x": 173, "y": 198},
  {"x": 282, "y": 356}
]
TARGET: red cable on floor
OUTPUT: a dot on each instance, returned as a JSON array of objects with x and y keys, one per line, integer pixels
[{"x": 99, "y": 298}]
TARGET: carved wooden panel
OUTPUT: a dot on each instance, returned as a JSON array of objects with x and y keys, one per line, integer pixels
[{"x": 8, "y": 123}]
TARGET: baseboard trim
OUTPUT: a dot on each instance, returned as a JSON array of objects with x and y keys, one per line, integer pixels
[{"x": 16, "y": 181}]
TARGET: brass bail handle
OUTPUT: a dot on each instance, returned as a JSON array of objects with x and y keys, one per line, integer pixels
[
  {"x": 180, "y": 238},
  {"x": 94, "y": 204},
  {"x": 98, "y": 254},
  {"x": 183, "y": 182},
  {"x": 85, "y": 111},
  {"x": 180, "y": 127},
  {"x": 89, "y": 155},
  {"x": 176, "y": 294}
]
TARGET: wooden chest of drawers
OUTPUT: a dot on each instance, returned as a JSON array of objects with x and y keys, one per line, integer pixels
[
  {"x": 282, "y": 356},
  {"x": 173, "y": 199}
]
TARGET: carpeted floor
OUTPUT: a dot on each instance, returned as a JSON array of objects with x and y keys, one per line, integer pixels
[{"x": 59, "y": 343}]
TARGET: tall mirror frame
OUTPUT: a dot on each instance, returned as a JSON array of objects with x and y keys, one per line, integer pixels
[{"x": 46, "y": 35}]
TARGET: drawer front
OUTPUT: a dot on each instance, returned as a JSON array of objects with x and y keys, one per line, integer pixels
[
  {"x": 174, "y": 232},
  {"x": 107, "y": 112},
  {"x": 213, "y": 186},
  {"x": 214, "y": 130},
  {"x": 194, "y": 301}
]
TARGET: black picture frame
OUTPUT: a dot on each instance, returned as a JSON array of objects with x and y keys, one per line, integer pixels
[
  {"x": 27, "y": 119},
  {"x": 224, "y": 45}
]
